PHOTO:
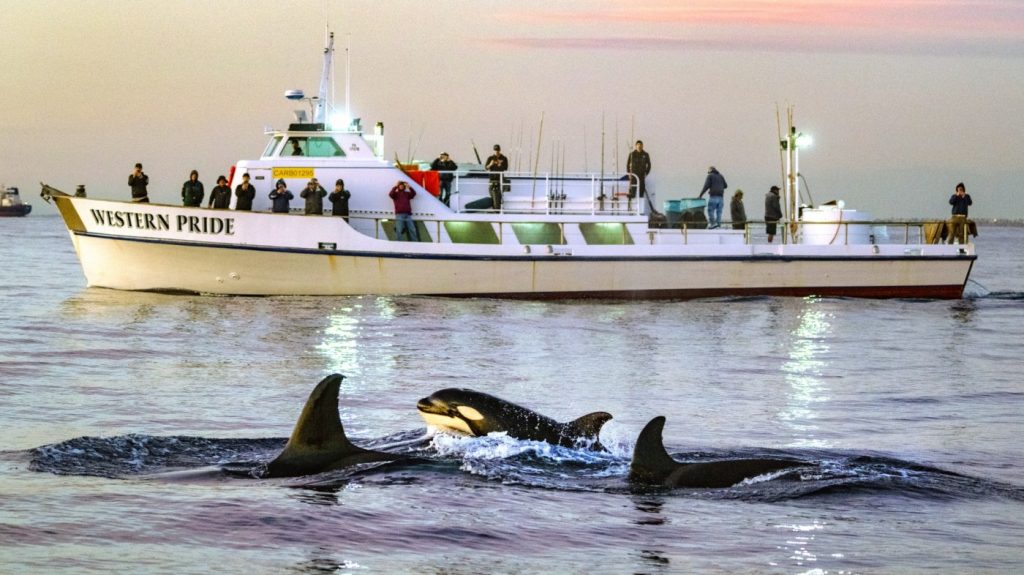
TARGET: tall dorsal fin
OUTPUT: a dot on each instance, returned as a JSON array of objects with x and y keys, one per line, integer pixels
[
  {"x": 651, "y": 462},
  {"x": 590, "y": 424},
  {"x": 318, "y": 437}
]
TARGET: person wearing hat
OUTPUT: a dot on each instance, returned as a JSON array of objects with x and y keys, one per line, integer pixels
[
  {"x": 339, "y": 199},
  {"x": 496, "y": 163},
  {"x": 314, "y": 195},
  {"x": 772, "y": 212},
  {"x": 138, "y": 182},
  {"x": 220, "y": 196},
  {"x": 281, "y": 198},
  {"x": 737, "y": 212},
  {"x": 445, "y": 166},
  {"x": 245, "y": 192},
  {"x": 714, "y": 186},
  {"x": 192, "y": 191},
  {"x": 639, "y": 165}
]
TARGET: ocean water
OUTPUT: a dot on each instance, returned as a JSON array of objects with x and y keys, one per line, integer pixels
[{"x": 116, "y": 409}]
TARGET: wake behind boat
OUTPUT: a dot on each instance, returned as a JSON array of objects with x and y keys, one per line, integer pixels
[{"x": 554, "y": 235}]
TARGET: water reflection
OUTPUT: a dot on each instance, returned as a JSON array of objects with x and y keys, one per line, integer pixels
[
  {"x": 340, "y": 343},
  {"x": 803, "y": 374},
  {"x": 651, "y": 510},
  {"x": 800, "y": 540}
]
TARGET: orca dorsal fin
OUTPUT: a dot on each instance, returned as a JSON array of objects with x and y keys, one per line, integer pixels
[
  {"x": 651, "y": 462},
  {"x": 590, "y": 424},
  {"x": 318, "y": 437}
]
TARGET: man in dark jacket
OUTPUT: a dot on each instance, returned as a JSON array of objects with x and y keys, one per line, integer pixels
[
  {"x": 639, "y": 164},
  {"x": 245, "y": 193},
  {"x": 737, "y": 212},
  {"x": 445, "y": 166},
  {"x": 772, "y": 212},
  {"x": 220, "y": 196},
  {"x": 960, "y": 200},
  {"x": 339, "y": 199},
  {"x": 192, "y": 191},
  {"x": 497, "y": 163},
  {"x": 281, "y": 198},
  {"x": 314, "y": 195},
  {"x": 714, "y": 186},
  {"x": 138, "y": 182}
]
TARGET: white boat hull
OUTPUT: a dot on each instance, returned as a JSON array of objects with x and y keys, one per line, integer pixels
[{"x": 133, "y": 259}]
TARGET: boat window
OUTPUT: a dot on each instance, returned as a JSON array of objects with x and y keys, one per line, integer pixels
[
  {"x": 271, "y": 146},
  {"x": 606, "y": 233},
  {"x": 315, "y": 147},
  {"x": 538, "y": 233}
]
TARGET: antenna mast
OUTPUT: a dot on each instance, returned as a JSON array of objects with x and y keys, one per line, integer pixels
[{"x": 320, "y": 108}]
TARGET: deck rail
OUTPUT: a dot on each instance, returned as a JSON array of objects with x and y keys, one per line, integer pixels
[{"x": 751, "y": 232}]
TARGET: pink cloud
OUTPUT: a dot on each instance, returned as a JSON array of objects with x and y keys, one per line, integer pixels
[{"x": 971, "y": 26}]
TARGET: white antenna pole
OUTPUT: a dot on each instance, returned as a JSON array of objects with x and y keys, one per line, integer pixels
[
  {"x": 348, "y": 76},
  {"x": 319, "y": 110}
]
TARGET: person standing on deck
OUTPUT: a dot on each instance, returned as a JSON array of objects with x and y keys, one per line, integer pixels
[
  {"x": 314, "y": 195},
  {"x": 192, "y": 191},
  {"x": 402, "y": 195},
  {"x": 220, "y": 196},
  {"x": 714, "y": 186},
  {"x": 245, "y": 193},
  {"x": 639, "y": 165},
  {"x": 445, "y": 166},
  {"x": 737, "y": 213},
  {"x": 339, "y": 199},
  {"x": 960, "y": 200},
  {"x": 772, "y": 212},
  {"x": 496, "y": 163},
  {"x": 281, "y": 198},
  {"x": 138, "y": 181}
]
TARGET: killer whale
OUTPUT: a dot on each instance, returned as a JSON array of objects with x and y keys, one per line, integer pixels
[
  {"x": 318, "y": 442},
  {"x": 652, "y": 465},
  {"x": 477, "y": 413}
]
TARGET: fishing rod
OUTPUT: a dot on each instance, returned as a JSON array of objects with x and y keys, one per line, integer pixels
[{"x": 475, "y": 152}]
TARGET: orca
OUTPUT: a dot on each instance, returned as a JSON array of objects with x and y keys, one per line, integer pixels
[
  {"x": 477, "y": 413},
  {"x": 652, "y": 465},
  {"x": 318, "y": 442}
]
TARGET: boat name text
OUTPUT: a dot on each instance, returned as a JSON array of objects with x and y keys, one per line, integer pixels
[{"x": 162, "y": 222}]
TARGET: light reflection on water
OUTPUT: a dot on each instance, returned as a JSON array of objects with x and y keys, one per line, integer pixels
[{"x": 803, "y": 373}]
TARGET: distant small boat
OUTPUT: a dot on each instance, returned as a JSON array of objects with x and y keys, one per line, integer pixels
[{"x": 11, "y": 205}]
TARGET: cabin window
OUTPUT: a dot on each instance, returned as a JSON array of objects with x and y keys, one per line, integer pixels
[
  {"x": 314, "y": 147},
  {"x": 471, "y": 232},
  {"x": 606, "y": 233},
  {"x": 539, "y": 233},
  {"x": 271, "y": 146}
]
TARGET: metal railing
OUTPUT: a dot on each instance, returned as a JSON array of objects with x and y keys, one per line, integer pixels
[{"x": 885, "y": 232}]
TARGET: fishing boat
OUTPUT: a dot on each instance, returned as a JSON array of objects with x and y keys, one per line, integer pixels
[
  {"x": 554, "y": 235},
  {"x": 11, "y": 205}
]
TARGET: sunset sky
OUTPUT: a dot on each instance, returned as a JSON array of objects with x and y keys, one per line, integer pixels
[{"x": 903, "y": 98}]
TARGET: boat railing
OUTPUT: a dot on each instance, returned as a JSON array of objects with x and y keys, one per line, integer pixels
[
  {"x": 752, "y": 232},
  {"x": 570, "y": 193}
]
